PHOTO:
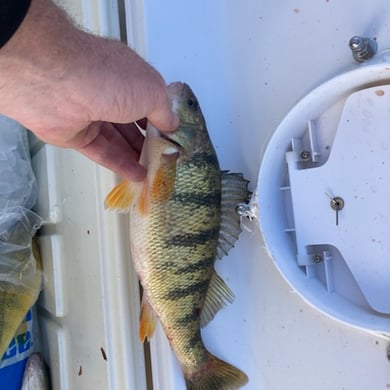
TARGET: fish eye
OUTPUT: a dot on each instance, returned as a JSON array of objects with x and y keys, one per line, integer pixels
[{"x": 192, "y": 103}]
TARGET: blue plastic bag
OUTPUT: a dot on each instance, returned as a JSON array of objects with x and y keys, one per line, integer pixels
[{"x": 14, "y": 360}]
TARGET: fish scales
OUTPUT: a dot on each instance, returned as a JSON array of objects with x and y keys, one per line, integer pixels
[
  {"x": 190, "y": 245},
  {"x": 175, "y": 230},
  {"x": 191, "y": 238}
]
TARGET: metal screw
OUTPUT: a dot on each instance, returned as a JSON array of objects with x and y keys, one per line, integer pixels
[
  {"x": 362, "y": 48},
  {"x": 337, "y": 203},
  {"x": 305, "y": 155},
  {"x": 318, "y": 257}
]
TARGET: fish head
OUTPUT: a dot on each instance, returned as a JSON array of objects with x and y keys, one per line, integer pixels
[
  {"x": 163, "y": 152},
  {"x": 35, "y": 374},
  {"x": 192, "y": 132},
  {"x": 185, "y": 105}
]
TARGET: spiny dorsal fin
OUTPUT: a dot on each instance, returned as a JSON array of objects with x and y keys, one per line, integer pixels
[
  {"x": 234, "y": 191},
  {"x": 218, "y": 295}
]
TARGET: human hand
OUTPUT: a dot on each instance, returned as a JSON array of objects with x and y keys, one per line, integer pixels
[{"x": 79, "y": 91}]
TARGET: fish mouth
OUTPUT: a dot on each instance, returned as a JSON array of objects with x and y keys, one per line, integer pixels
[
  {"x": 165, "y": 136},
  {"x": 170, "y": 136},
  {"x": 170, "y": 140}
]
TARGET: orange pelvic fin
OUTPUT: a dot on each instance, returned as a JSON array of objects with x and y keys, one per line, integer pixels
[{"x": 147, "y": 323}]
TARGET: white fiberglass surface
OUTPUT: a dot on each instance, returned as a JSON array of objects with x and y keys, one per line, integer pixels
[{"x": 249, "y": 62}]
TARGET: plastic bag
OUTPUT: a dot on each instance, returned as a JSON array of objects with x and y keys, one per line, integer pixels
[
  {"x": 12, "y": 365},
  {"x": 18, "y": 186},
  {"x": 20, "y": 270},
  {"x": 20, "y": 264}
]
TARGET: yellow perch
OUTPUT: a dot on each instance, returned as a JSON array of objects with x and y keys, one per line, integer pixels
[{"x": 183, "y": 217}]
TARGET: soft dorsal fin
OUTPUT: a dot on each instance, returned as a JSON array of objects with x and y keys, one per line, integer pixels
[
  {"x": 234, "y": 190},
  {"x": 218, "y": 295}
]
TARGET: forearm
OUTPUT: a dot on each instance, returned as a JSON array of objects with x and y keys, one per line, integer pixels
[
  {"x": 78, "y": 76},
  {"x": 72, "y": 88},
  {"x": 38, "y": 56}
]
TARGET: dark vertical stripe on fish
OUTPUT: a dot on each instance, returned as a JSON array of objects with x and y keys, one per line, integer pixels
[
  {"x": 181, "y": 292},
  {"x": 193, "y": 239},
  {"x": 188, "y": 318},
  {"x": 193, "y": 342},
  {"x": 193, "y": 267},
  {"x": 199, "y": 199}
]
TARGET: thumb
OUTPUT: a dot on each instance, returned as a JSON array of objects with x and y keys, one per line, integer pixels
[{"x": 163, "y": 118}]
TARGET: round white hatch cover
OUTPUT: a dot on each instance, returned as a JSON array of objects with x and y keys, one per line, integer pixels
[{"x": 326, "y": 214}]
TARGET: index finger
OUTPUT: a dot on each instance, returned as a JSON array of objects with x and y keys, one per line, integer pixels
[{"x": 111, "y": 150}]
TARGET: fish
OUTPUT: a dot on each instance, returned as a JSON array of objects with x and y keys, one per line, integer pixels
[
  {"x": 20, "y": 271},
  {"x": 182, "y": 218},
  {"x": 35, "y": 374}
]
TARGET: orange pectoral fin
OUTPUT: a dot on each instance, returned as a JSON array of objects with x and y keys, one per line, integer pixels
[
  {"x": 122, "y": 196},
  {"x": 147, "y": 323}
]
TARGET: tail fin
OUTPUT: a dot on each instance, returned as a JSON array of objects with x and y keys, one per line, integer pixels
[{"x": 217, "y": 375}]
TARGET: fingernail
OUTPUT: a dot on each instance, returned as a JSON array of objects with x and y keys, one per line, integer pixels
[
  {"x": 175, "y": 122},
  {"x": 169, "y": 124}
]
